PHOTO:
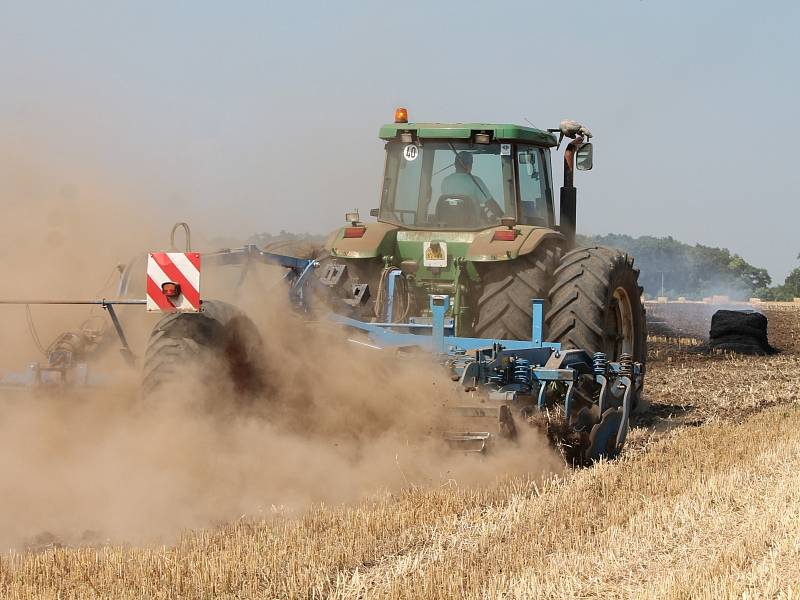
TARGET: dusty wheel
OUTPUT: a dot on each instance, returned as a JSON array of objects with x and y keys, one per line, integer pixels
[
  {"x": 596, "y": 304},
  {"x": 503, "y": 310},
  {"x": 221, "y": 345}
]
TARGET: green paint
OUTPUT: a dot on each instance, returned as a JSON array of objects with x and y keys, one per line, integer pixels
[
  {"x": 499, "y": 132},
  {"x": 449, "y": 280},
  {"x": 413, "y": 250}
]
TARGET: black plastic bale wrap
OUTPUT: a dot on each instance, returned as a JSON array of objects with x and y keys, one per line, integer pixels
[{"x": 744, "y": 332}]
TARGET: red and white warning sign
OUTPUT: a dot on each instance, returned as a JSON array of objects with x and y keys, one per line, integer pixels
[{"x": 173, "y": 281}]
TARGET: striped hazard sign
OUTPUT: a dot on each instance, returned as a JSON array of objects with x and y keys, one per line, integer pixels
[{"x": 173, "y": 281}]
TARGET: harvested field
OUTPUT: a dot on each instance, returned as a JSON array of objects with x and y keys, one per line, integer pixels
[
  {"x": 703, "y": 504},
  {"x": 676, "y": 327},
  {"x": 687, "y": 321}
]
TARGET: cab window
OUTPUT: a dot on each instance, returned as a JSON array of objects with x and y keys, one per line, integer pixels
[
  {"x": 533, "y": 189},
  {"x": 447, "y": 185}
]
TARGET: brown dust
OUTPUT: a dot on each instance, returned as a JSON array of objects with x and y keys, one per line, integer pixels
[{"x": 341, "y": 422}]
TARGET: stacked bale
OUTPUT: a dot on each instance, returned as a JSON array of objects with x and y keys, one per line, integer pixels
[{"x": 744, "y": 332}]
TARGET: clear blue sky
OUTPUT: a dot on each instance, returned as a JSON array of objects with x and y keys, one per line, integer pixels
[{"x": 259, "y": 116}]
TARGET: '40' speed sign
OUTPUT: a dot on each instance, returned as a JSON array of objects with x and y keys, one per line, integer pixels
[{"x": 410, "y": 152}]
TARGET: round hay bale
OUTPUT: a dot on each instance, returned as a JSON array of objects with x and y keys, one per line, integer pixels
[{"x": 740, "y": 331}]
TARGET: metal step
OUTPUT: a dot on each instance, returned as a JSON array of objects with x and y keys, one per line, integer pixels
[{"x": 468, "y": 441}]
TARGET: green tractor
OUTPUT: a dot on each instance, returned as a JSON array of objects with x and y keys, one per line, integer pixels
[{"x": 467, "y": 210}]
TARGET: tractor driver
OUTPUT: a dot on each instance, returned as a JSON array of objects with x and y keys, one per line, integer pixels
[{"x": 464, "y": 183}]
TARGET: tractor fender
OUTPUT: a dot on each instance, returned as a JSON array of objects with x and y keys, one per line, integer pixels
[
  {"x": 485, "y": 248},
  {"x": 378, "y": 239}
]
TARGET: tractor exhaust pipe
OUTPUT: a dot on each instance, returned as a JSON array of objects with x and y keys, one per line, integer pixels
[{"x": 568, "y": 199}]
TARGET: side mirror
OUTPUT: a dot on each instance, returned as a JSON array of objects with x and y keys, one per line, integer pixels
[
  {"x": 373, "y": 212},
  {"x": 583, "y": 157}
]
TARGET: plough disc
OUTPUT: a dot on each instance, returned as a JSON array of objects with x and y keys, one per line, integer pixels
[{"x": 603, "y": 437}]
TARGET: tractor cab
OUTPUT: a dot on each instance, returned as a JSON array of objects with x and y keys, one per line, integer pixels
[
  {"x": 466, "y": 177},
  {"x": 460, "y": 202}
]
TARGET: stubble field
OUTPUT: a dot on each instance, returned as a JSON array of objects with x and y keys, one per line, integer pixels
[{"x": 704, "y": 503}]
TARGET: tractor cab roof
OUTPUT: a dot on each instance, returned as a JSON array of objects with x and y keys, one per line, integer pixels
[{"x": 498, "y": 132}]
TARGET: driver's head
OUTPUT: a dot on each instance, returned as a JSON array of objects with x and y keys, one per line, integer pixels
[{"x": 463, "y": 162}]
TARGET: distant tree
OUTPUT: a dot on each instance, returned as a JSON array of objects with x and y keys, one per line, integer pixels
[
  {"x": 792, "y": 284},
  {"x": 691, "y": 271}
]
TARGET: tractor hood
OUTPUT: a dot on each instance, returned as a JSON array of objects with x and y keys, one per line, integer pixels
[
  {"x": 369, "y": 240},
  {"x": 484, "y": 248},
  {"x": 374, "y": 240}
]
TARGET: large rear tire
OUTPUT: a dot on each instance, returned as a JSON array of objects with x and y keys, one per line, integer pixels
[
  {"x": 596, "y": 304},
  {"x": 504, "y": 310},
  {"x": 220, "y": 345}
]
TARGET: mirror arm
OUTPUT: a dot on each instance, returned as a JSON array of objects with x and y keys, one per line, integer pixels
[{"x": 569, "y": 160}]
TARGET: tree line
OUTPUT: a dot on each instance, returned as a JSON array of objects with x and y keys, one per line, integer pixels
[{"x": 696, "y": 271}]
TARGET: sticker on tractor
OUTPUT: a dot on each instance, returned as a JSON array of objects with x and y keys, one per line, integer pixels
[
  {"x": 410, "y": 152},
  {"x": 434, "y": 254},
  {"x": 505, "y": 149},
  {"x": 173, "y": 282}
]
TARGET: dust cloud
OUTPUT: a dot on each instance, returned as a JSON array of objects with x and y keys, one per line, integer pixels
[{"x": 340, "y": 422}]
